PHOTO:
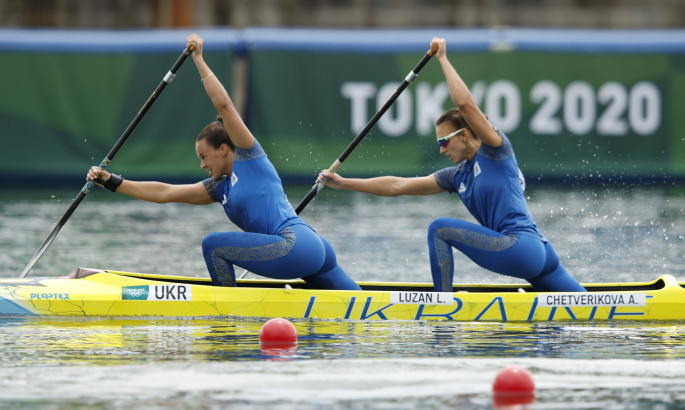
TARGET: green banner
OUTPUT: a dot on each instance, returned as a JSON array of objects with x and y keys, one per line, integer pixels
[
  {"x": 576, "y": 104},
  {"x": 63, "y": 111},
  {"x": 568, "y": 115}
]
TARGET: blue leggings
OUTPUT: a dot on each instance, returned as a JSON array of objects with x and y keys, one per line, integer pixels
[
  {"x": 520, "y": 256},
  {"x": 296, "y": 252}
]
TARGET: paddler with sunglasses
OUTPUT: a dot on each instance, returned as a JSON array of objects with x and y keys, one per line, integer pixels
[{"x": 488, "y": 181}]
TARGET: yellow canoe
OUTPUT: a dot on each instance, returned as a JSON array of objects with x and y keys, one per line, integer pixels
[{"x": 117, "y": 294}]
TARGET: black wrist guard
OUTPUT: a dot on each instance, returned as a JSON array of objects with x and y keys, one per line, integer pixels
[{"x": 112, "y": 183}]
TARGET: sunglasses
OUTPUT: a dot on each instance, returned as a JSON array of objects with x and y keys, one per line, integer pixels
[{"x": 444, "y": 140}]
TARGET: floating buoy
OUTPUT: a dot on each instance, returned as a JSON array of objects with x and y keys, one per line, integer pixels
[
  {"x": 278, "y": 330},
  {"x": 513, "y": 385}
]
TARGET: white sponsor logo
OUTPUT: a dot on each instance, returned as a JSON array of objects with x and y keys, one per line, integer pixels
[
  {"x": 462, "y": 187},
  {"x": 136, "y": 292},
  {"x": 421, "y": 298}
]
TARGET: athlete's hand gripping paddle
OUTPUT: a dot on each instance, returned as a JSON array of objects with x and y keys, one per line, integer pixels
[
  {"x": 333, "y": 168},
  {"x": 105, "y": 162}
]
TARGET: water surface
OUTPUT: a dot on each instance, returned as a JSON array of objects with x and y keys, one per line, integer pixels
[{"x": 601, "y": 234}]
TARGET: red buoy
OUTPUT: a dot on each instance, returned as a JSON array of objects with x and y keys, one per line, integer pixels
[
  {"x": 278, "y": 330},
  {"x": 513, "y": 385}
]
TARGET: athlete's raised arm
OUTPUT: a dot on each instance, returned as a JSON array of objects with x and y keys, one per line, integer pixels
[
  {"x": 236, "y": 128},
  {"x": 463, "y": 99}
]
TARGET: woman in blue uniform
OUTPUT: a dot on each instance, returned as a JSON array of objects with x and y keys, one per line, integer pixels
[
  {"x": 489, "y": 183},
  {"x": 275, "y": 243}
]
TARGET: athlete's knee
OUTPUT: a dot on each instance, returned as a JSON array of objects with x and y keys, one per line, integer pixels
[
  {"x": 436, "y": 225},
  {"x": 209, "y": 242}
]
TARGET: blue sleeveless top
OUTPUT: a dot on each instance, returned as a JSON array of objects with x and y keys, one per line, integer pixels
[
  {"x": 491, "y": 187},
  {"x": 253, "y": 197}
]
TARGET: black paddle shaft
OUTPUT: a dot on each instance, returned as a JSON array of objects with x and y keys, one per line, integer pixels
[
  {"x": 105, "y": 162},
  {"x": 408, "y": 79}
]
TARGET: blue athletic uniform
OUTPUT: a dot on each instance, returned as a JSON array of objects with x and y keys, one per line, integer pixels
[
  {"x": 507, "y": 241},
  {"x": 275, "y": 243}
]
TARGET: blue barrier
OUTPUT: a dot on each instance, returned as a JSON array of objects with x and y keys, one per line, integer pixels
[{"x": 346, "y": 40}]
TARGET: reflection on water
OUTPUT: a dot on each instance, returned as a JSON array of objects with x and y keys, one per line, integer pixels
[
  {"x": 218, "y": 363},
  {"x": 81, "y": 341}
]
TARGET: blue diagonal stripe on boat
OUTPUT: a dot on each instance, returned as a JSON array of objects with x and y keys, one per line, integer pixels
[
  {"x": 7, "y": 307},
  {"x": 310, "y": 305}
]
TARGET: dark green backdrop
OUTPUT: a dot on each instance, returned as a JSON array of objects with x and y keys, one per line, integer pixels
[{"x": 570, "y": 113}]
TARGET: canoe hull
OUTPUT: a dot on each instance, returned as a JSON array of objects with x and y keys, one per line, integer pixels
[{"x": 119, "y": 294}]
